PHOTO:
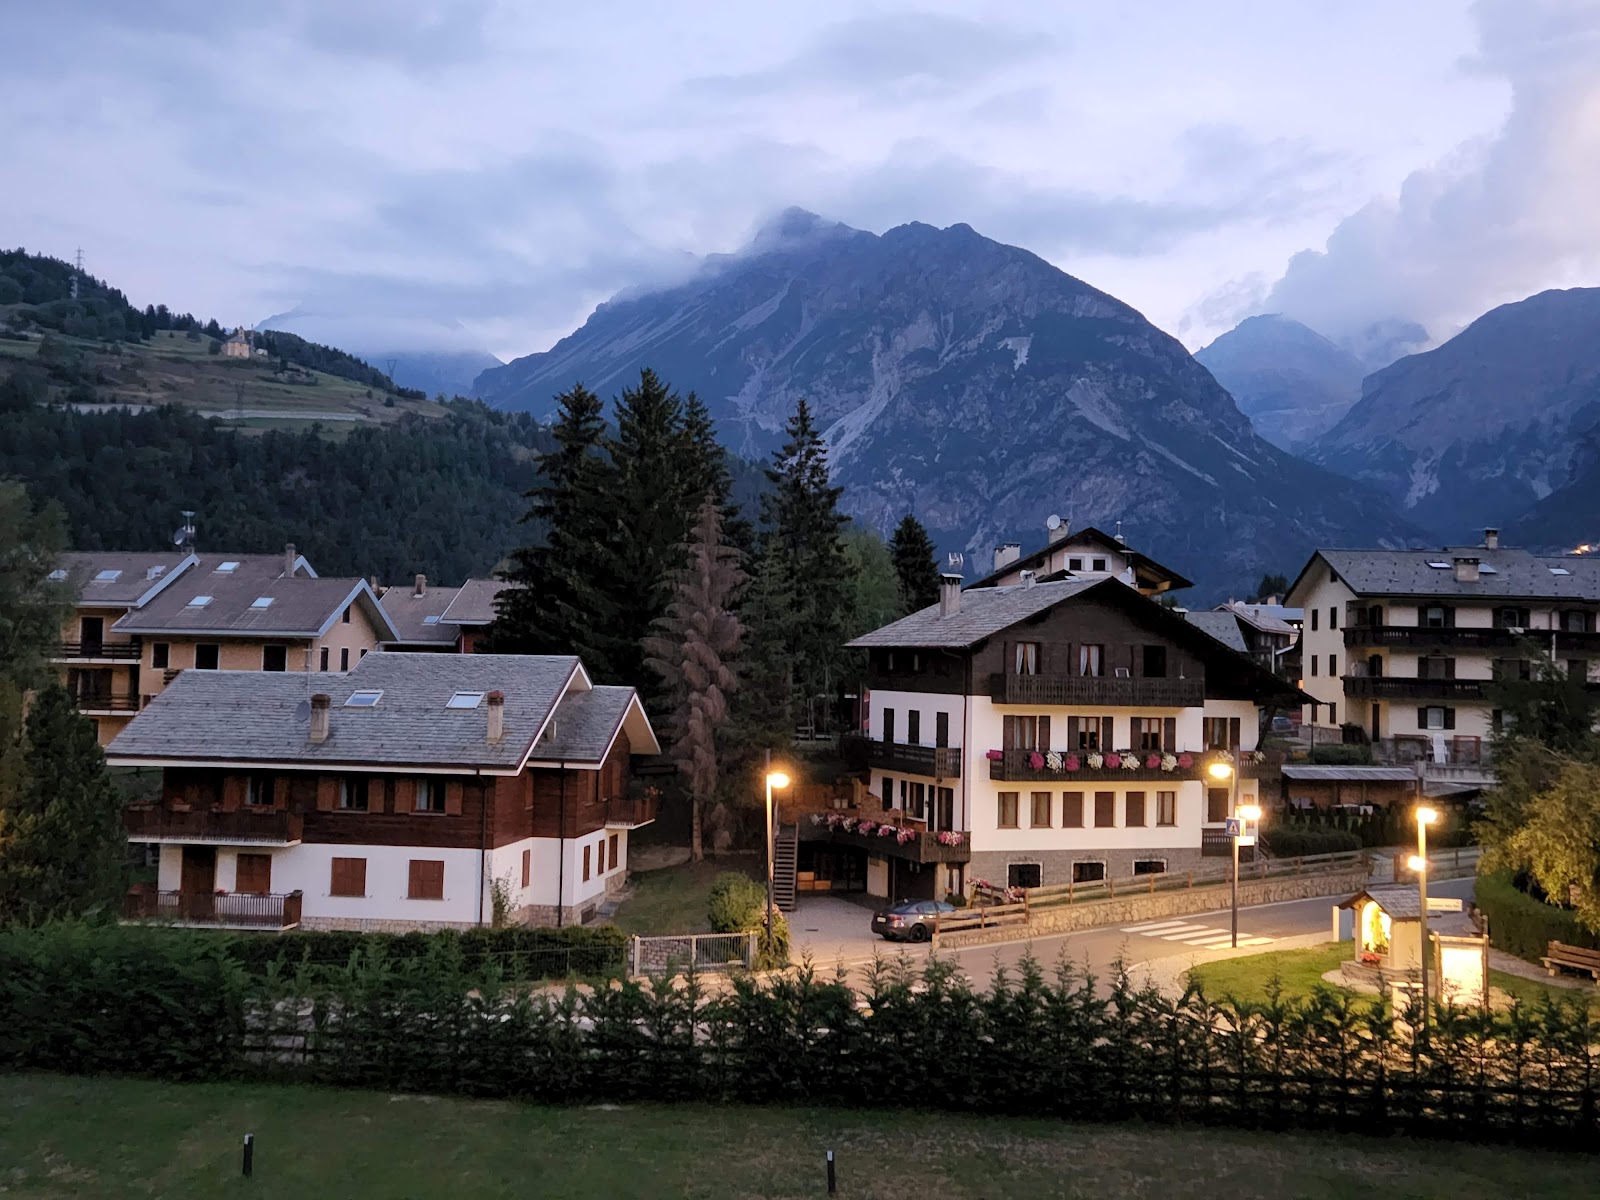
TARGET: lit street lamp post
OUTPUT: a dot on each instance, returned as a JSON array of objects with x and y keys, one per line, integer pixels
[
  {"x": 1419, "y": 863},
  {"x": 775, "y": 779},
  {"x": 1219, "y": 770}
]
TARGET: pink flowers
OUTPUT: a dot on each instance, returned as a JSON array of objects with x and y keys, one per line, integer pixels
[
  {"x": 887, "y": 831},
  {"x": 1072, "y": 762},
  {"x": 949, "y": 837},
  {"x": 995, "y": 755},
  {"x": 1036, "y": 760},
  {"x": 867, "y": 827},
  {"x": 1153, "y": 762},
  {"x": 904, "y": 835},
  {"x": 1113, "y": 760},
  {"x": 1185, "y": 760}
]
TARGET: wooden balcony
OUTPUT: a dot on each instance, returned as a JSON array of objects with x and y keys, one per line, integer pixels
[
  {"x": 630, "y": 812},
  {"x": 1390, "y": 687},
  {"x": 229, "y": 910},
  {"x": 1017, "y": 766},
  {"x": 923, "y": 847},
  {"x": 241, "y": 827},
  {"x": 903, "y": 758},
  {"x": 1414, "y": 637},
  {"x": 1100, "y": 691},
  {"x": 95, "y": 652},
  {"x": 105, "y": 702}
]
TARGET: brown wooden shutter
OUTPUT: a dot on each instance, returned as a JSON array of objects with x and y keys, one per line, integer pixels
[
  {"x": 1422, "y": 717},
  {"x": 452, "y": 797},
  {"x": 1449, "y": 718},
  {"x": 1072, "y": 810},
  {"x": 348, "y": 877},
  {"x": 1233, "y": 733},
  {"x": 1169, "y": 735},
  {"x": 587, "y": 850},
  {"x": 254, "y": 875},
  {"x": 378, "y": 793},
  {"x": 1107, "y": 734},
  {"x": 527, "y": 866},
  {"x": 233, "y": 788},
  {"x": 405, "y": 795},
  {"x": 327, "y": 793},
  {"x": 613, "y": 840},
  {"x": 1008, "y": 733},
  {"x": 1044, "y": 734},
  {"x": 425, "y": 879}
]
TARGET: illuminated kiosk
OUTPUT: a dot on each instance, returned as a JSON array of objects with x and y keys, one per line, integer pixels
[{"x": 1387, "y": 928}]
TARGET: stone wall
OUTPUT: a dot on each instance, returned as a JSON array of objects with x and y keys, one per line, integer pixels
[
  {"x": 1055, "y": 866},
  {"x": 1154, "y": 906},
  {"x": 377, "y": 925}
]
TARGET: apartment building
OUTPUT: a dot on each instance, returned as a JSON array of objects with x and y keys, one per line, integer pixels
[
  {"x": 1402, "y": 644},
  {"x": 448, "y": 619},
  {"x": 1086, "y": 554},
  {"x": 1047, "y": 732},
  {"x": 403, "y": 795}
]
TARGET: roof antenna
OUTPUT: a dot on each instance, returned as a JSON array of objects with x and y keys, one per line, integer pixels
[
  {"x": 1120, "y": 538},
  {"x": 183, "y": 536}
]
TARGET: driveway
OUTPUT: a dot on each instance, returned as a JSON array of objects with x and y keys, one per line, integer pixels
[{"x": 834, "y": 928}]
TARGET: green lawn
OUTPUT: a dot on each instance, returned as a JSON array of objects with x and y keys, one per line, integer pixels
[
  {"x": 110, "y": 1138},
  {"x": 673, "y": 899}
]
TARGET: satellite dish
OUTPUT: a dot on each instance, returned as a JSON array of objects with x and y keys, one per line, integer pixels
[
  {"x": 179, "y": 537},
  {"x": 956, "y": 561},
  {"x": 302, "y": 711},
  {"x": 1053, "y": 521}
]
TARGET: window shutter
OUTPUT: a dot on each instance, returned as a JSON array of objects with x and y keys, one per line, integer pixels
[
  {"x": 378, "y": 789},
  {"x": 452, "y": 797},
  {"x": 405, "y": 795},
  {"x": 527, "y": 862},
  {"x": 327, "y": 793},
  {"x": 1169, "y": 735},
  {"x": 1044, "y": 734},
  {"x": 1233, "y": 733},
  {"x": 1422, "y": 614},
  {"x": 1074, "y": 725},
  {"x": 1422, "y": 716},
  {"x": 232, "y": 792},
  {"x": 1008, "y": 733},
  {"x": 1449, "y": 718},
  {"x": 1107, "y": 734}
]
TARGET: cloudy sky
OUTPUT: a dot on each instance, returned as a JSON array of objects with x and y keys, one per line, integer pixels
[{"x": 466, "y": 172}]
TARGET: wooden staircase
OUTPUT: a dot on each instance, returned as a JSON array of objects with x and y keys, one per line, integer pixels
[{"x": 785, "y": 857}]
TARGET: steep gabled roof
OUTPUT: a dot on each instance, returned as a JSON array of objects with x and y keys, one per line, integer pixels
[
  {"x": 586, "y": 723},
  {"x": 1511, "y": 574},
  {"x": 129, "y": 579},
  {"x": 419, "y": 620},
  {"x": 474, "y": 602},
  {"x": 1145, "y": 568},
  {"x": 1223, "y": 626}
]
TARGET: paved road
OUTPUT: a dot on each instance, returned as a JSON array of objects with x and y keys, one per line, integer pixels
[{"x": 1160, "y": 950}]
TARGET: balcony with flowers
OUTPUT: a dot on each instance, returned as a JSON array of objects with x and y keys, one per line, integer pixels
[
  {"x": 892, "y": 838},
  {"x": 1093, "y": 766}
]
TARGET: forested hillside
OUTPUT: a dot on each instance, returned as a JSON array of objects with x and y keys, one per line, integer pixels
[{"x": 439, "y": 496}]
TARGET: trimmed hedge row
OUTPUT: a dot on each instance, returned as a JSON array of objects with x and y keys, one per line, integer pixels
[
  {"x": 523, "y": 952},
  {"x": 1524, "y": 925},
  {"x": 1297, "y": 843}
]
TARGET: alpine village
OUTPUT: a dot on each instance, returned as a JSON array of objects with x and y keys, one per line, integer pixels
[{"x": 868, "y": 713}]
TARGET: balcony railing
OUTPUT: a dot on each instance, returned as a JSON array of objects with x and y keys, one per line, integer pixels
[
  {"x": 1056, "y": 766},
  {"x": 105, "y": 702},
  {"x": 1099, "y": 690},
  {"x": 1390, "y": 687},
  {"x": 936, "y": 762},
  {"x": 630, "y": 812},
  {"x": 1454, "y": 638},
  {"x": 120, "y": 651},
  {"x": 242, "y": 826},
  {"x": 923, "y": 847},
  {"x": 231, "y": 910}
]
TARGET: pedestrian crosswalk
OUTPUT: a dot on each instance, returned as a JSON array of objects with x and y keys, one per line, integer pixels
[{"x": 1190, "y": 933}]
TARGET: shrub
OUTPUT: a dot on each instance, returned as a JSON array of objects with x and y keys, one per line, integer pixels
[
  {"x": 774, "y": 953},
  {"x": 735, "y": 903},
  {"x": 1524, "y": 925},
  {"x": 1341, "y": 756},
  {"x": 1296, "y": 843},
  {"x": 521, "y": 951}
]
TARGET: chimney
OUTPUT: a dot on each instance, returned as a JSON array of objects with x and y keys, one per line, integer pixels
[
  {"x": 288, "y": 560},
  {"x": 497, "y": 717},
  {"x": 1466, "y": 570},
  {"x": 319, "y": 717},
  {"x": 1056, "y": 530},
  {"x": 1491, "y": 539},
  {"x": 422, "y": 586},
  {"x": 1007, "y": 554},
  {"x": 1029, "y": 578},
  {"x": 949, "y": 595}
]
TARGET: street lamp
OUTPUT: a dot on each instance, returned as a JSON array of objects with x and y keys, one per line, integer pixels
[
  {"x": 1223, "y": 769},
  {"x": 1418, "y": 862},
  {"x": 775, "y": 779}
]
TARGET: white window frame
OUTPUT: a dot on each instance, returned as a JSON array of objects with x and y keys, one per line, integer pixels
[{"x": 465, "y": 700}]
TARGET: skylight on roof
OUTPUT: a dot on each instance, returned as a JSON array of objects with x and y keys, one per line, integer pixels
[
  {"x": 464, "y": 700},
  {"x": 58, "y": 574},
  {"x": 431, "y": 619},
  {"x": 1559, "y": 571},
  {"x": 199, "y": 602},
  {"x": 107, "y": 576},
  {"x": 1486, "y": 569},
  {"x": 228, "y": 567},
  {"x": 363, "y": 699},
  {"x": 261, "y": 602},
  {"x": 1439, "y": 566}
]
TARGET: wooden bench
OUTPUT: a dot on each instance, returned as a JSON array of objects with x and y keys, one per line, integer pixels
[{"x": 1575, "y": 958}]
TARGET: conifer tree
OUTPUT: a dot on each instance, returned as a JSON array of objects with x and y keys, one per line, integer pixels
[
  {"x": 695, "y": 648},
  {"x": 914, "y": 565},
  {"x": 563, "y": 604},
  {"x": 32, "y": 606},
  {"x": 707, "y": 470},
  {"x": 805, "y": 550},
  {"x": 62, "y": 849}
]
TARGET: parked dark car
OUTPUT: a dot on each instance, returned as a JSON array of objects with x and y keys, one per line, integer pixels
[{"x": 911, "y": 921}]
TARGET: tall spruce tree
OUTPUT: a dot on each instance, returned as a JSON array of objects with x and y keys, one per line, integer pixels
[
  {"x": 707, "y": 469},
  {"x": 804, "y": 548},
  {"x": 564, "y": 602},
  {"x": 695, "y": 648},
  {"x": 914, "y": 565},
  {"x": 62, "y": 848},
  {"x": 33, "y": 607}
]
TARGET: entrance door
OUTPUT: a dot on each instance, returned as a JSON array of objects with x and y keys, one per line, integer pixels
[
  {"x": 92, "y": 632},
  {"x": 944, "y": 809},
  {"x": 255, "y": 874},
  {"x": 1375, "y": 732},
  {"x": 198, "y": 883}
]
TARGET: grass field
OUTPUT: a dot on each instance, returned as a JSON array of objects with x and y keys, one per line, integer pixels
[
  {"x": 1301, "y": 970},
  {"x": 673, "y": 899},
  {"x": 112, "y": 1138}
]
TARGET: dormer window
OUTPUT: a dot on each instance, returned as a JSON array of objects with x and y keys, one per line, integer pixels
[
  {"x": 227, "y": 568},
  {"x": 57, "y": 575},
  {"x": 1099, "y": 564},
  {"x": 261, "y": 602},
  {"x": 199, "y": 602},
  {"x": 107, "y": 576},
  {"x": 363, "y": 699},
  {"x": 464, "y": 700}
]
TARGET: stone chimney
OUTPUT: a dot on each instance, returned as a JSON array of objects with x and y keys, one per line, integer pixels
[
  {"x": 1466, "y": 570},
  {"x": 949, "y": 595},
  {"x": 1029, "y": 578},
  {"x": 421, "y": 586},
  {"x": 497, "y": 717},
  {"x": 288, "y": 559},
  {"x": 1491, "y": 539},
  {"x": 1007, "y": 554},
  {"x": 319, "y": 717},
  {"x": 1057, "y": 532}
]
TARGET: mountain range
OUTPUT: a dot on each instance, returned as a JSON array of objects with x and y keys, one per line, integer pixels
[
  {"x": 1293, "y": 383},
  {"x": 973, "y": 384}
]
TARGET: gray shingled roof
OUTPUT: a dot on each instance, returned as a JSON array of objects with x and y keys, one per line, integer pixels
[
  {"x": 302, "y": 605},
  {"x": 1516, "y": 574},
  {"x": 233, "y": 716},
  {"x": 1400, "y": 901},
  {"x": 138, "y": 575},
  {"x": 984, "y": 612},
  {"x": 1332, "y": 774},
  {"x": 1223, "y": 626},
  {"x": 407, "y": 610},
  {"x": 584, "y": 725},
  {"x": 474, "y": 602}
]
